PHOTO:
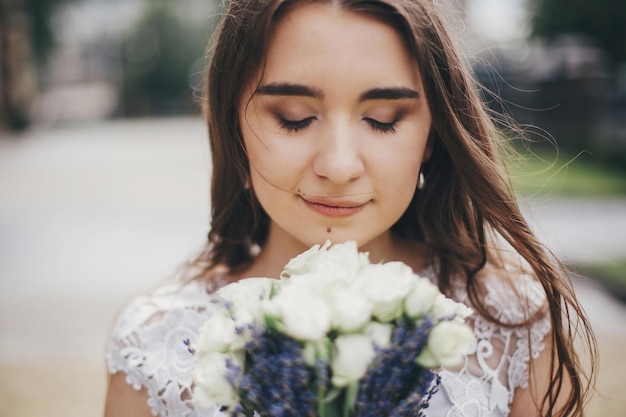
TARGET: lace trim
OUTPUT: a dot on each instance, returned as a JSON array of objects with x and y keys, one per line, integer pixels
[
  {"x": 147, "y": 346},
  {"x": 486, "y": 383}
]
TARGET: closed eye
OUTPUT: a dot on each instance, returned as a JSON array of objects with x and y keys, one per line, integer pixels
[
  {"x": 382, "y": 127},
  {"x": 293, "y": 126}
]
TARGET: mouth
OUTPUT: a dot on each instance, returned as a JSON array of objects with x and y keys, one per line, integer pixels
[{"x": 334, "y": 207}]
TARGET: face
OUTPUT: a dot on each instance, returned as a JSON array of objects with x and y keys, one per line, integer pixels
[{"x": 337, "y": 130}]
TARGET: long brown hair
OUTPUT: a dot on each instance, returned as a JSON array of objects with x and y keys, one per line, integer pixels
[{"x": 466, "y": 200}]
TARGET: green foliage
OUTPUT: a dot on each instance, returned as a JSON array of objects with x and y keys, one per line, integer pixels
[
  {"x": 610, "y": 274},
  {"x": 604, "y": 21},
  {"x": 39, "y": 13},
  {"x": 160, "y": 57},
  {"x": 543, "y": 171}
]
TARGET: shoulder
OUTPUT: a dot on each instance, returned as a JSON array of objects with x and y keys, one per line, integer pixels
[
  {"x": 149, "y": 342},
  {"x": 513, "y": 334},
  {"x": 518, "y": 302},
  {"x": 513, "y": 295},
  {"x": 159, "y": 304}
]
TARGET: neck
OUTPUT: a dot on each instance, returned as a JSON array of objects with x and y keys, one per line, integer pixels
[{"x": 280, "y": 247}]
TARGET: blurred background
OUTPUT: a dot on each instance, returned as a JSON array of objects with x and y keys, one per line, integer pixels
[{"x": 104, "y": 168}]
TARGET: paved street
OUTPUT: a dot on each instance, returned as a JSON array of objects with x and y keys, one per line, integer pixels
[{"x": 92, "y": 214}]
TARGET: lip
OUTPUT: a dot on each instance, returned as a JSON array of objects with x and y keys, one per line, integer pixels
[{"x": 334, "y": 207}]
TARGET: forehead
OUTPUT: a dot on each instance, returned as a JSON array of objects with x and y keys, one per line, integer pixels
[{"x": 326, "y": 40}]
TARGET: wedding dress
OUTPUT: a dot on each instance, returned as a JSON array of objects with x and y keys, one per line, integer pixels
[{"x": 148, "y": 346}]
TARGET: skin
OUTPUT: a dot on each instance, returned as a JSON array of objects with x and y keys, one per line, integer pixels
[
  {"x": 526, "y": 400},
  {"x": 335, "y": 139},
  {"x": 123, "y": 401},
  {"x": 335, "y": 136}
]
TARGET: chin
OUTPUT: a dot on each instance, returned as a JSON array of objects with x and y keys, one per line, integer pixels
[{"x": 339, "y": 236}]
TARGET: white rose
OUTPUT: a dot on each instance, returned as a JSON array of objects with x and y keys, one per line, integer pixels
[
  {"x": 246, "y": 298},
  {"x": 448, "y": 343},
  {"x": 421, "y": 298},
  {"x": 342, "y": 260},
  {"x": 218, "y": 334},
  {"x": 463, "y": 312},
  {"x": 352, "y": 355},
  {"x": 211, "y": 386},
  {"x": 350, "y": 310},
  {"x": 314, "y": 280},
  {"x": 302, "y": 263},
  {"x": 379, "y": 333},
  {"x": 301, "y": 312},
  {"x": 386, "y": 286},
  {"x": 446, "y": 308}
]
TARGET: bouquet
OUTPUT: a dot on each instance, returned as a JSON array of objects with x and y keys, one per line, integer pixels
[{"x": 334, "y": 336}]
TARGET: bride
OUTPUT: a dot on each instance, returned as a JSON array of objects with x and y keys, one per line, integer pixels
[{"x": 357, "y": 120}]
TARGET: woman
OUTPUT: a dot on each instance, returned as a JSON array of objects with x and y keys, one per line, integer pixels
[{"x": 356, "y": 120}]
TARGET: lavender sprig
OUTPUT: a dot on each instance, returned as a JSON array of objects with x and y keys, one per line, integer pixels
[
  {"x": 277, "y": 382},
  {"x": 419, "y": 400},
  {"x": 394, "y": 380},
  {"x": 335, "y": 336}
]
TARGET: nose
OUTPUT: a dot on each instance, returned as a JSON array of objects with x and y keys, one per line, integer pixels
[{"x": 339, "y": 158}]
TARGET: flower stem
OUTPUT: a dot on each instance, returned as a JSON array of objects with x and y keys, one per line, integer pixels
[{"x": 350, "y": 399}]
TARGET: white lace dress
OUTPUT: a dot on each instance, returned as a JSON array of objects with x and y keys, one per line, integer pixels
[{"x": 147, "y": 344}]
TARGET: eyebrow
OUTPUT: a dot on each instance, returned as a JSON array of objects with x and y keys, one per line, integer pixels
[
  {"x": 288, "y": 89},
  {"x": 391, "y": 93}
]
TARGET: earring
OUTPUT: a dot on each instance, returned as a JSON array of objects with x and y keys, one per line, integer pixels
[
  {"x": 246, "y": 183},
  {"x": 421, "y": 181}
]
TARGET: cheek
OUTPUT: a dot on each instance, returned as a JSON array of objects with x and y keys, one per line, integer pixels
[
  {"x": 401, "y": 180},
  {"x": 398, "y": 170},
  {"x": 272, "y": 163},
  {"x": 400, "y": 162},
  {"x": 267, "y": 167}
]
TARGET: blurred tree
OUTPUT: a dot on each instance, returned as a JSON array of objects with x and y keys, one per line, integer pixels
[
  {"x": 39, "y": 13},
  {"x": 158, "y": 61},
  {"x": 587, "y": 103},
  {"x": 26, "y": 39},
  {"x": 604, "y": 21}
]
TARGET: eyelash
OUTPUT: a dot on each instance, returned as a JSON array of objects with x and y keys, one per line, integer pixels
[
  {"x": 380, "y": 126},
  {"x": 293, "y": 126}
]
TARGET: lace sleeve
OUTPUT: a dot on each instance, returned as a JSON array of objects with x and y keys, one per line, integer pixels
[
  {"x": 513, "y": 304},
  {"x": 530, "y": 339},
  {"x": 148, "y": 345},
  {"x": 484, "y": 386}
]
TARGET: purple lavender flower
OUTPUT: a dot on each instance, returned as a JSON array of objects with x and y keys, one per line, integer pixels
[
  {"x": 277, "y": 382},
  {"x": 395, "y": 385}
]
